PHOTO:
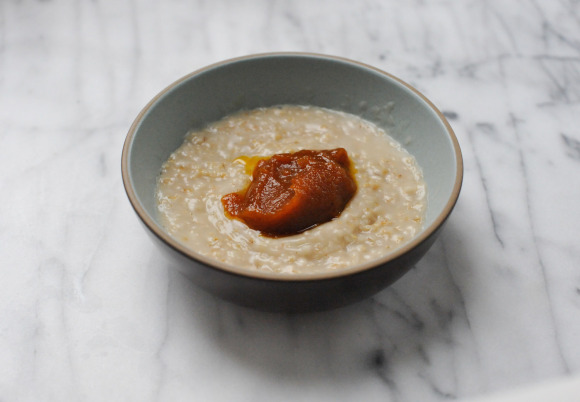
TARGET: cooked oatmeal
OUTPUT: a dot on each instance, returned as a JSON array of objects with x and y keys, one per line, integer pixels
[{"x": 386, "y": 211}]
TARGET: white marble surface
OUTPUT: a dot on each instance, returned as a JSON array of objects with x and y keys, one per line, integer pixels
[{"x": 90, "y": 311}]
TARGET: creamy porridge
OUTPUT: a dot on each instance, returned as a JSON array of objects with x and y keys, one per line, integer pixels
[{"x": 386, "y": 211}]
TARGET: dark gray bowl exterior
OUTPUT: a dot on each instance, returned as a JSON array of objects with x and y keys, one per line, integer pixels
[
  {"x": 290, "y": 296},
  {"x": 265, "y": 80}
]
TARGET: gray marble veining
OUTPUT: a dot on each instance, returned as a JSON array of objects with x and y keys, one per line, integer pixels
[{"x": 90, "y": 311}]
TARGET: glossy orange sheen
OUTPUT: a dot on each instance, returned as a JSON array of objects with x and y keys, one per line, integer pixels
[{"x": 292, "y": 192}]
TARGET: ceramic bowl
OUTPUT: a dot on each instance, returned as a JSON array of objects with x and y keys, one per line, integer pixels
[{"x": 213, "y": 92}]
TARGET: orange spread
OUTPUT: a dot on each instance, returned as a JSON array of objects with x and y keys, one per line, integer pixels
[{"x": 292, "y": 192}]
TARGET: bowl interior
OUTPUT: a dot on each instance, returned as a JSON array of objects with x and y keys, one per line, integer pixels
[{"x": 212, "y": 93}]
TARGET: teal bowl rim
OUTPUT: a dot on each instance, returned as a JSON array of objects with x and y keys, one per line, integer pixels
[{"x": 271, "y": 276}]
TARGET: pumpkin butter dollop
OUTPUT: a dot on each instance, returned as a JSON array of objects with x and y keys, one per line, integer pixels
[{"x": 292, "y": 192}]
